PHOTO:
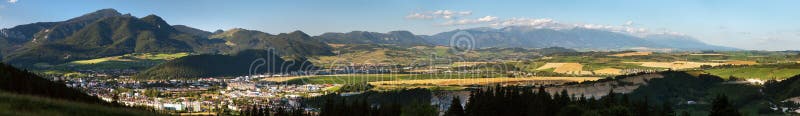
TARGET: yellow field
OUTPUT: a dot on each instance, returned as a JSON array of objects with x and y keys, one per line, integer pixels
[
  {"x": 569, "y": 68},
  {"x": 706, "y": 54},
  {"x": 336, "y": 45},
  {"x": 739, "y": 62},
  {"x": 608, "y": 71},
  {"x": 132, "y": 57},
  {"x": 566, "y": 68},
  {"x": 676, "y": 64},
  {"x": 632, "y": 54},
  {"x": 484, "y": 81},
  {"x": 282, "y": 79},
  {"x": 550, "y": 65},
  {"x": 468, "y": 63}
]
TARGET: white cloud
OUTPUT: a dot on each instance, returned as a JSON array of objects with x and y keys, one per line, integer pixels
[
  {"x": 487, "y": 19},
  {"x": 418, "y": 16},
  {"x": 445, "y": 14},
  {"x": 12, "y": 1},
  {"x": 536, "y": 23},
  {"x": 546, "y": 23},
  {"x": 470, "y": 21},
  {"x": 454, "y": 18},
  {"x": 629, "y": 23}
]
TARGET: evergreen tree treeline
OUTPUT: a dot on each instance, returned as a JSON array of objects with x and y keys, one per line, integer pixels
[{"x": 511, "y": 101}]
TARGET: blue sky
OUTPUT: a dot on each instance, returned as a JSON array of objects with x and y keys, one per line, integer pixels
[{"x": 758, "y": 25}]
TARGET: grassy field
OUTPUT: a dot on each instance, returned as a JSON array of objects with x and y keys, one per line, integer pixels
[
  {"x": 460, "y": 84},
  {"x": 127, "y": 61},
  {"x": 481, "y": 81},
  {"x": 360, "y": 78},
  {"x": 23, "y": 105},
  {"x": 777, "y": 71}
]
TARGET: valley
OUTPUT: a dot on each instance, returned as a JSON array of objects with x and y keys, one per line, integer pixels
[{"x": 109, "y": 63}]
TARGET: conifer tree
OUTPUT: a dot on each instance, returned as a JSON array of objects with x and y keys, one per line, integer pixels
[{"x": 455, "y": 108}]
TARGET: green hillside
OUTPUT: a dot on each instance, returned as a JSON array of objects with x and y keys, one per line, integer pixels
[
  {"x": 135, "y": 61},
  {"x": 13, "y": 80},
  {"x": 26, "y": 105},
  {"x": 295, "y": 43},
  {"x": 24, "y": 93},
  {"x": 765, "y": 72},
  {"x": 109, "y": 37},
  {"x": 400, "y": 38},
  {"x": 784, "y": 89},
  {"x": 222, "y": 65}
]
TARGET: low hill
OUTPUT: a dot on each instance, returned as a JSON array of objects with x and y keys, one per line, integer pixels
[
  {"x": 296, "y": 43},
  {"x": 785, "y": 89},
  {"x": 24, "y": 93},
  {"x": 238, "y": 64},
  {"x": 17, "y": 81},
  {"x": 135, "y": 61},
  {"x": 26, "y": 105},
  {"x": 399, "y": 38}
]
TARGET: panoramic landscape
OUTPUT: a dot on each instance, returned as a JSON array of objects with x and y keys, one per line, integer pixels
[{"x": 399, "y": 58}]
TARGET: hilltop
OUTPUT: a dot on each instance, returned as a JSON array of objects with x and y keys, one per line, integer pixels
[
  {"x": 215, "y": 65},
  {"x": 24, "y": 93}
]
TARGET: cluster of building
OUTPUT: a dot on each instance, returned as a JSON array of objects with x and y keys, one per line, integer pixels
[{"x": 198, "y": 95}]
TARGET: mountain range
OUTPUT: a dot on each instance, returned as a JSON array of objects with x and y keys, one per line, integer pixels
[
  {"x": 107, "y": 32},
  {"x": 400, "y": 38},
  {"x": 575, "y": 38}
]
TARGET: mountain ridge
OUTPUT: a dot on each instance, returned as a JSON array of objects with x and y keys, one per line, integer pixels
[
  {"x": 401, "y": 38},
  {"x": 575, "y": 38}
]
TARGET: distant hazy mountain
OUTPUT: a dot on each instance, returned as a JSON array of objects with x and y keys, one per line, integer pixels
[
  {"x": 683, "y": 42},
  {"x": 109, "y": 34},
  {"x": 237, "y": 64},
  {"x": 401, "y": 38},
  {"x": 295, "y": 43},
  {"x": 577, "y": 38}
]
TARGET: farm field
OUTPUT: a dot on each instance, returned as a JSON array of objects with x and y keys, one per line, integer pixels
[
  {"x": 460, "y": 84},
  {"x": 676, "y": 64},
  {"x": 632, "y": 54},
  {"x": 361, "y": 78},
  {"x": 483, "y": 81},
  {"x": 127, "y": 61},
  {"x": 764, "y": 72}
]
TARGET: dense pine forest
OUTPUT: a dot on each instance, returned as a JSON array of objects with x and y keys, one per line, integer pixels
[
  {"x": 501, "y": 101},
  {"x": 17, "y": 81},
  {"x": 21, "y": 91}
]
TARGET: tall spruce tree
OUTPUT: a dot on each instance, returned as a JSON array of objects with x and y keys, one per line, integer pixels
[
  {"x": 455, "y": 108},
  {"x": 722, "y": 107}
]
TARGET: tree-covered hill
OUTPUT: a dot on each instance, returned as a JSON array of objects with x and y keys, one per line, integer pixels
[
  {"x": 399, "y": 38},
  {"x": 215, "y": 65},
  {"x": 784, "y": 89},
  {"x": 109, "y": 36},
  {"x": 24, "y": 93},
  {"x": 297, "y": 43},
  {"x": 17, "y": 81},
  {"x": 27, "y": 105}
]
